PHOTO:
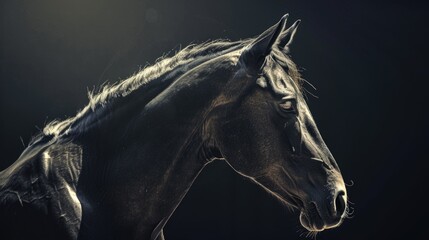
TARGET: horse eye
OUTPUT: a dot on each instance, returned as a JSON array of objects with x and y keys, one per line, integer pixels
[{"x": 287, "y": 106}]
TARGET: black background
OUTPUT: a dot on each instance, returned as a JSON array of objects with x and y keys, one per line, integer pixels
[{"x": 367, "y": 59}]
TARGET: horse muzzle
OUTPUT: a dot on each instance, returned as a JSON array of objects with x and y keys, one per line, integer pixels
[{"x": 317, "y": 216}]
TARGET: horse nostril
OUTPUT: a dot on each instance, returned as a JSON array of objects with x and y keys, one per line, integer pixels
[{"x": 340, "y": 204}]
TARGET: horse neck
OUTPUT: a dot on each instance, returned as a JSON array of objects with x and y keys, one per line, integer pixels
[
  {"x": 150, "y": 162},
  {"x": 184, "y": 104}
]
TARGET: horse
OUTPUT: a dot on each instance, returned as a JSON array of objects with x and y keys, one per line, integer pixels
[{"x": 121, "y": 166}]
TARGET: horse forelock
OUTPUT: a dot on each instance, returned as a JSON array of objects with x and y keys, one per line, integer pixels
[{"x": 281, "y": 58}]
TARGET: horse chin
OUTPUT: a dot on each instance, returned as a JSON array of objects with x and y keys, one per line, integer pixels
[{"x": 312, "y": 221}]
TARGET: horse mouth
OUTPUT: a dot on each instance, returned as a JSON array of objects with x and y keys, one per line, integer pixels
[{"x": 311, "y": 219}]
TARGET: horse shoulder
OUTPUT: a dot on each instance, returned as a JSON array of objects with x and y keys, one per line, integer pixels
[
  {"x": 41, "y": 188},
  {"x": 63, "y": 164}
]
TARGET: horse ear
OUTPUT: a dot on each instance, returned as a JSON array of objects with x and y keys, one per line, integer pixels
[
  {"x": 254, "y": 54},
  {"x": 286, "y": 36}
]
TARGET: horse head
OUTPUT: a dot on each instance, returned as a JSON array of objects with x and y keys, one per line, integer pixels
[{"x": 268, "y": 134}]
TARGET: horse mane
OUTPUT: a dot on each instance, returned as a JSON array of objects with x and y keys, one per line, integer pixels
[
  {"x": 162, "y": 66},
  {"x": 164, "y": 70}
]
